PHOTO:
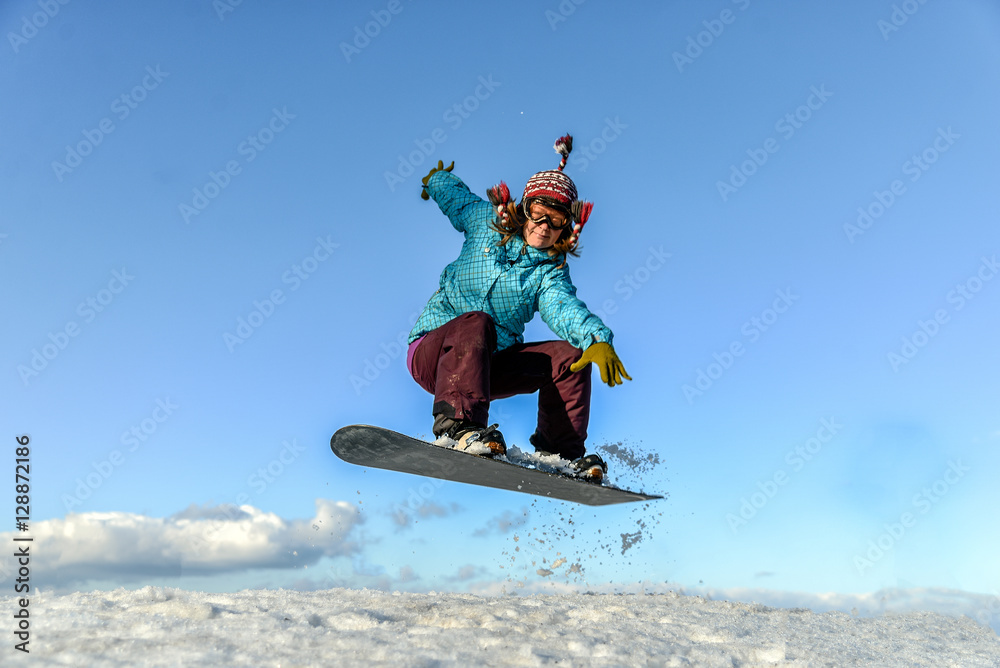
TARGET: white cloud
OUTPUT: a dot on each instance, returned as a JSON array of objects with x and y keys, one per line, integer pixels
[
  {"x": 405, "y": 516},
  {"x": 467, "y": 572},
  {"x": 503, "y": 523},
  {"x": 128, "y": 547}
]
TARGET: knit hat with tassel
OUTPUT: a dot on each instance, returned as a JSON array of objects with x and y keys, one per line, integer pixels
[{"x": 552, "y": 188}]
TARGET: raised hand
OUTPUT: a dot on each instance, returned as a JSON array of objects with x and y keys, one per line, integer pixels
[
  {"x": 440, "y": 168},
  {"x": 604, "y": 356}
]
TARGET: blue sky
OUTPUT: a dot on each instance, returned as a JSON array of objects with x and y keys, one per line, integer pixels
[{"x": 794, "y": 238}]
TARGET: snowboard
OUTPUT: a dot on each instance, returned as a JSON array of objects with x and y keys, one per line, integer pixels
[{"x": 384, "y": 449}]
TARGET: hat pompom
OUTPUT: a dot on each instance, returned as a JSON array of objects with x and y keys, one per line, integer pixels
[
  {"x": 564, "y": 146},
  {"x": 500, "y": 198},
  {"x": 499, "y": 194},
  {"x": 581, "y": 211}
]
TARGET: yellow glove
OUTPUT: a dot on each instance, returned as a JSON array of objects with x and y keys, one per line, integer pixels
[
  {"x": 604, "y": 356},
  {"x": 439, "y": 168}
]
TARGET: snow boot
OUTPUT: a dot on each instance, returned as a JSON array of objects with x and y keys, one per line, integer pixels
[
  {"x": 485, "y": 441},
  {"x": 473, "y": 438},
  {"x": 591, "y": 468}
]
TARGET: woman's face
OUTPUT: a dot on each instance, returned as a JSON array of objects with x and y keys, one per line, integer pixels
[{"x": 541, "y": 235}]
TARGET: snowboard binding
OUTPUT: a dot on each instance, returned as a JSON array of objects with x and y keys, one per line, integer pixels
[
  {"x": 590, "y": 467},
  {"x": 478, "y": 440}
]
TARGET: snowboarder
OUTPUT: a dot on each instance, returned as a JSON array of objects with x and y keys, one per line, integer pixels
[{"x": 467, "y": 347}]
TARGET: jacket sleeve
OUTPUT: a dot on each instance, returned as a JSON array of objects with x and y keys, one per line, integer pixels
[
  {"x": 566, "y": 314},
  {"x": 463, "y": 208}
]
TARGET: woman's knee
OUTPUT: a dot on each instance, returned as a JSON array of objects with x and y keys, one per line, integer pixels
[
  {"x": 478, "y": 319},
  {"x": 563, "y": 352},
  {"x": 477, "y": 323}
]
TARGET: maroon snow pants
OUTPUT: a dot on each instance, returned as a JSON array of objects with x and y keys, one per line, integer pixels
[{"x": 456, "y": 363}]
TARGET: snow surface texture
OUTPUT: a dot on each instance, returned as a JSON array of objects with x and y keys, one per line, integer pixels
[{"x": 342, "y": 627}]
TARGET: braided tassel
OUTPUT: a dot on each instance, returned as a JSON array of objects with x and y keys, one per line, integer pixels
[
  {"x": 581, "y": 212},
  {"x": 564, "y": 146},
  {"x": 500, "y": 197}
]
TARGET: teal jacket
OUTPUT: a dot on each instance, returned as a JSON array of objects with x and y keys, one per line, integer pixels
[{"x": 509, "y": 283}]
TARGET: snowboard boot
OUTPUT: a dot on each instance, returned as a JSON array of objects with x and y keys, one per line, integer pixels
[
  {"x": 591, "y": 468},
  {"x": 485, "y": 441},
  {"x": 472, "y": 437}
]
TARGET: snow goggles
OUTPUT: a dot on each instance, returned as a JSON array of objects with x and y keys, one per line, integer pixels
[{"x": 548, "y": 221}]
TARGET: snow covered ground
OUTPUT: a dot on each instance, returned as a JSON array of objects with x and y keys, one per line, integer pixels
[{"x": 157, "y": 626}]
